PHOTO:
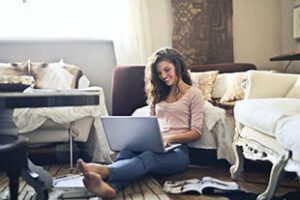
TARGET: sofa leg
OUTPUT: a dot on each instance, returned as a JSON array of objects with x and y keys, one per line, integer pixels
[
  {"x": 237, "y": 167},
  {"x": 276, "y": 175}
]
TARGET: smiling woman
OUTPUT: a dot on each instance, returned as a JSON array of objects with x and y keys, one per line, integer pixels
[{"x": 122, "y": 21}]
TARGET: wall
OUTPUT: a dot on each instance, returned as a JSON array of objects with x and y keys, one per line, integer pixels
[
  {"x": 288, "y": 42},
  {"x": 261, "y": 29},
  {"x": 256, "y": 32},
  {"x": 161, "y": 23}
]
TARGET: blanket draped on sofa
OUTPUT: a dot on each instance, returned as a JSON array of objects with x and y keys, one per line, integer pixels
[{"x": 31, "y": 119}]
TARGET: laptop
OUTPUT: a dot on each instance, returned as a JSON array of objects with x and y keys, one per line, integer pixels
[{"x": 135, "y": 134}]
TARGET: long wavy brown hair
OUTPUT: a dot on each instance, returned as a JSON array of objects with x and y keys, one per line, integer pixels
[{"x": 155, "y": 88}]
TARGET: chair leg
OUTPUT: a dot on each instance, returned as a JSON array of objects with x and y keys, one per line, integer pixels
[
  {"x": 71, "y": 148},
  {"x": 276, "y": 175},
  {"x": 238, "y": 166}
]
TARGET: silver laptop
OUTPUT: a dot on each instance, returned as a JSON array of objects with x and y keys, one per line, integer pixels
[{"x": 135, "y": 134}]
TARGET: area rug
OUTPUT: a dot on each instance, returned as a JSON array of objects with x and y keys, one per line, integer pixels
[{"x": 145, "y": 188}]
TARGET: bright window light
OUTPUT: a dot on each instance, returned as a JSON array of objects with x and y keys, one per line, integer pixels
[{"x": 95, "y": 19}]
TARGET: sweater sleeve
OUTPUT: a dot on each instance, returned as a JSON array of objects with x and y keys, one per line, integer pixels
[{"x": 197, "y": 110}]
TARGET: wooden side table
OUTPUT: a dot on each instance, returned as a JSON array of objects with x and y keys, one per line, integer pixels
[
  {"x": 41, "y": 98},
  {"x": 295, "y": 55}
]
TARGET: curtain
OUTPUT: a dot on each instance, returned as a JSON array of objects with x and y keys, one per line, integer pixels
[
  {"x": 132, "y": 36},
  {"x": 203, "y": 30},
  {"x": 126, "y": 22}
]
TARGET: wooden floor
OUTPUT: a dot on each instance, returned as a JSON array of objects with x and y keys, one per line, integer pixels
[{"x": 254, "y": 181}]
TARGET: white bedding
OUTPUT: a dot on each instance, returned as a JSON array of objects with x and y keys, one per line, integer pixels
[
  {"x": 218, "y": 131},
  {"x": 30, "y": 119}
]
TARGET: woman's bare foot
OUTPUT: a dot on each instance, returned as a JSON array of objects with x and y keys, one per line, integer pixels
[
  {"x": 95, "y": 184},
  {"x": 92, "y": 167}
]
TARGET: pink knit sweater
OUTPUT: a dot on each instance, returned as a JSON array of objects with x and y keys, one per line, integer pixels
[{"x": 183, "y": 115}]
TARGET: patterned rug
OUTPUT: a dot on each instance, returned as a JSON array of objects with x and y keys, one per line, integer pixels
[{"x": 143, "y": 189}]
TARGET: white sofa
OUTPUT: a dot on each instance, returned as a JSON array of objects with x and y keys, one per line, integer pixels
[{"x": 268, "y": 124}]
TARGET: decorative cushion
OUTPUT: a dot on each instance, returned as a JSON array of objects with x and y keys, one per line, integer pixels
[
  {"x": 221, "y": 84},
  {"x": 58, "y": 75},
  {"x": 263, "y": 114},
  {"x": 51, "y": 76},
  {"x": 14, "y": 69},
  {"x": 204, "y": 81},
  {"x": 295, "y": 91},
  {"x": 77, "y": 74},
  {"x": 235, "y": 90}
]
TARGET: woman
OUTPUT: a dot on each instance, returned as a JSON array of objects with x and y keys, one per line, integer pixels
[{"x": 179, "y": 109}]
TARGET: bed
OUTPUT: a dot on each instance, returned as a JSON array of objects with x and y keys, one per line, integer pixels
[{"x": 94, "y": 58}]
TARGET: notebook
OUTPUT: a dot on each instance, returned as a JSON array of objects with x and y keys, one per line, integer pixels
[{"x": 135, "y": 134}]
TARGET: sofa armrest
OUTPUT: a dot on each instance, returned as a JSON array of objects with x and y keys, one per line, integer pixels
[
  {"x": 128, "y": 89},
  {"x": 267, "y": 84}
]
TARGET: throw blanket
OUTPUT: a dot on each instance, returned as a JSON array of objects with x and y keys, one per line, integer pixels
[{"x": 30, "y": 119}]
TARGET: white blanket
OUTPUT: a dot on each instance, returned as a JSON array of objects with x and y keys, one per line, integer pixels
[{"x": 30, "y": 119}]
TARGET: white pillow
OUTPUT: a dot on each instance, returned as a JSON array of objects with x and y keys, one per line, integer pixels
[
  {"x": 295, "y": 91},
  {"x": 223, "y": 81},
  {"x": 51, "y": 76},
  {"x": 83, "y": 82}
]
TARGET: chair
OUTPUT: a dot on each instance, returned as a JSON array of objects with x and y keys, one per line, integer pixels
[{"x": 267, "y": 125}]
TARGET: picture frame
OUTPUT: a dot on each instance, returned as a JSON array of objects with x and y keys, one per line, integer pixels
[{"x": 296, "y": 19}]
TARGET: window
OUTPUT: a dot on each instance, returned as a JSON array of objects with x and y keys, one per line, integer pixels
[{"x": 60, "y": 18}]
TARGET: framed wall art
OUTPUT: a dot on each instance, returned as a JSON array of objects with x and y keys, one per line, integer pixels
[{"x": 296, "y": 17}]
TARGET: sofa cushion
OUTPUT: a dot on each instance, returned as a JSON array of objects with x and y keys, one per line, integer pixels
[{"x": 263, "y": 114}]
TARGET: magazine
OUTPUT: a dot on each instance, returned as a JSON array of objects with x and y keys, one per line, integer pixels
[
  {"x": 207, "y": 185},
  {"x": 72, "y": 187},
  {"x": 68, "y": 182}
]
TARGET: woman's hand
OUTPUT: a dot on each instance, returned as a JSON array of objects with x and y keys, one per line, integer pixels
[
  {"x": 167, "y": 139},
  {"x": 186, "y": 137}
]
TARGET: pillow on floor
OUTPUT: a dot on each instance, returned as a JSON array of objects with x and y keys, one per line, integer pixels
[{"x": 204, "y": 81}]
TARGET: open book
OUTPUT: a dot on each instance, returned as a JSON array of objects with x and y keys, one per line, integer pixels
[
  {"x": 68, "y": 182},
  {"x": 207, "y": 185},
  {"x": 72, "y": 186}
]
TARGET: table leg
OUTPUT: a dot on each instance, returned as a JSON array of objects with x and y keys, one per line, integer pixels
[
  {"x": 14, "y": 183},
  {"x": 34, "y": 181}
]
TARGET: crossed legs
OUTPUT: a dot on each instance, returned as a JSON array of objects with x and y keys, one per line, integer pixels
[{"x": 130, "y": 166}]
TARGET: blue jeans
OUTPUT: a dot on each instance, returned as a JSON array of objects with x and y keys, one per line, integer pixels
[{"x": 129, "y": 166}]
